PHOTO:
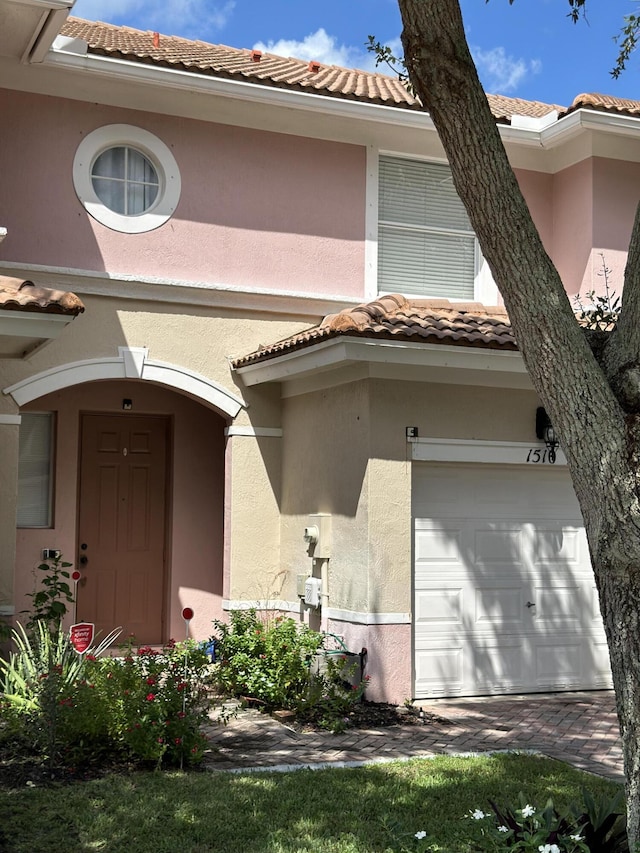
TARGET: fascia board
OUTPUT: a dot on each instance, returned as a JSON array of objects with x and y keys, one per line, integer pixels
[
  {"x": 173, "y": 78},
  {"x": 23, "y": 324},
  {"x": 561, "y": 131},
  {"x": 338, "y": 351},
  {"x": 47, "y": 4}
]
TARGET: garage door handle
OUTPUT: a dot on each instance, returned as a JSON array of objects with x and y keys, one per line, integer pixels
[{"x": 530, "y": 604}]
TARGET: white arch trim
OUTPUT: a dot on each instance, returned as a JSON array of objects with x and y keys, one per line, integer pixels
[{"x": 130, "y": 363}]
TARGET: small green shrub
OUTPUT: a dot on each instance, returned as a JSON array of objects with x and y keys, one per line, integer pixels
[
  {"x": 268, "y": 662},
  {"x": 271, "y": 663},
  {"x": 51, "y": 595}
]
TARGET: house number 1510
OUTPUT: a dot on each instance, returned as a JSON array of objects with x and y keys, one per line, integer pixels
[{"x": 537, "y": 455}]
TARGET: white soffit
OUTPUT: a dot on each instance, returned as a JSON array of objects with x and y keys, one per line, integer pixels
[{"x": 390, "y": 359}]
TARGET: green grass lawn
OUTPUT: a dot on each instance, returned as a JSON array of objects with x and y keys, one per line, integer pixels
[{"x": 323, "y": 811}]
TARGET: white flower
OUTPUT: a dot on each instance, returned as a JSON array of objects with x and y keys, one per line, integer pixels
[
  {"x": 549, "y": 848},
  {"x": 575, "y": 837},
  {"x": 503, "y": 829},
  {"x": 421, "y": 834},
  {"x": 477, "y": 814},
  {"x": 527, "y": 811}
]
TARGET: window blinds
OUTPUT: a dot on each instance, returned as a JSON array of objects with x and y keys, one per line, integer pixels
[
  {"x": 34, "y": 470},
  {"x": 426, "y": 246}
]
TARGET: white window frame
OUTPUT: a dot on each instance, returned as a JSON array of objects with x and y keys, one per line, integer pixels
[
  {"x": 47, "y": 522},
  {"x": 485, "y": 290},
  {"x": 163, "y": 161}
]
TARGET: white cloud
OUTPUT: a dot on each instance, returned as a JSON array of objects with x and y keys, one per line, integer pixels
[
  {"x": 323, "y": 48},
  {"x": 501, "y": 73},
  {"x": 189, "y": 18}
]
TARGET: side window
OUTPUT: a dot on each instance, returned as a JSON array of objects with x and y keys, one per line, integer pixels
[
  {"x": 426, "y": 246},
  {"x": 35, "y": 470}
]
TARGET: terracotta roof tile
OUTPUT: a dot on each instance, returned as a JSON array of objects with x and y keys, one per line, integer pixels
[
  {"x": 231, "y": 63},
  {"x": 19, "y": 295},
  {"x": 605, "y": 102},
  {"x": 393, "y": 317}
]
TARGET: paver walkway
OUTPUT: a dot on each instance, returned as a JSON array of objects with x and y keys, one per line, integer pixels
[{"x": 580, "y": 728}]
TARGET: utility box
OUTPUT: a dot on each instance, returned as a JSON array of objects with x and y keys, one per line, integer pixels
[
  {"x": 312, "y": 592},
  {"x": 320, "y": 527}
]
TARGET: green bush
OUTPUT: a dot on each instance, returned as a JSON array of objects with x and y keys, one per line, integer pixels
[
  {"x": 268, "y": 662},
  {"x": 147, "y": 705},
  {"x": 271, "y": 663}
]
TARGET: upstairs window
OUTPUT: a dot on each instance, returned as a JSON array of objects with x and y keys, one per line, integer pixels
[
  {"x": 126, "y": 178},
  {"x": 426, "y": 246}
]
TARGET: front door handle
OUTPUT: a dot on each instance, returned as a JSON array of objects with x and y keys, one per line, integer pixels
[{"x": 529, "y": 604}]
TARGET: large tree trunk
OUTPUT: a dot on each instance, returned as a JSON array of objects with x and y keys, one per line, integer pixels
[{"x": 593, "y": 403}]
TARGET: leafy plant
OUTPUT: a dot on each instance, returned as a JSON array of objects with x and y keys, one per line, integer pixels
[
  {"x": 51, "y": 595},
  {"x": 603, "y": 309},
  {"x": 271, "y": 663},
  {"x": 595, "y": 825},
  {"x": 268, "y": 662},
  {"x": 147, "y": 705}
]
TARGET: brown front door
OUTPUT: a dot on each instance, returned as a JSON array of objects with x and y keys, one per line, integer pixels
[{"x": 122, "y": 524}]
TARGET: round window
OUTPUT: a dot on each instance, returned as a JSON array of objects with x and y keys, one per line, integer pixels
[{"x": 126, "y": 178}]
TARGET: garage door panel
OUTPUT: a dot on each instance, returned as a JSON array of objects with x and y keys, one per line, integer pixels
[
  {"x": 559, "y": 663},
  {"x": 497, "y": 664},
  {"x": 439, "y": 605},
  {"x": 439, "y": 670},
  {"x": 437, "y": 545},
  {"x": 503, "y": 539},
  {"x": 558, "y": 607},
  {"x": 498, "y": 605},
  {"x": 559, "y": 544},
  {"x": 498, "y": 545}
]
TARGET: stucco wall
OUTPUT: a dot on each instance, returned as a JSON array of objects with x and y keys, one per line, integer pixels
[
  {"x": 616, "y": 191},
  {"x": 325, "y": 457},
  {"x": 257, "y": 209}
]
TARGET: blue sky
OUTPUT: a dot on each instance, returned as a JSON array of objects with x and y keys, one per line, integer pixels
[{"x": 528, "y": 50}]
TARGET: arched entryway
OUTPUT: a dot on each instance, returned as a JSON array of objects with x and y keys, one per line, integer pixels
[{"x": 138, "y": 500}]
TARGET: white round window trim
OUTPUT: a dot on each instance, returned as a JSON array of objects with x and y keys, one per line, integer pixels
[{"x": 114, "y": 135}]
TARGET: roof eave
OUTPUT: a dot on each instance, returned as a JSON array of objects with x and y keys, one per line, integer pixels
[{"x": 338, "y": 352}]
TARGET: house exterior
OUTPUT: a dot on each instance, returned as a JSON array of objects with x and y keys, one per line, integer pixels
[{"x": 292, "y": 362}]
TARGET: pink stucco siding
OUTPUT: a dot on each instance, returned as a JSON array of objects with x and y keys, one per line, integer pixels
[{"x": 257, "y": 209}]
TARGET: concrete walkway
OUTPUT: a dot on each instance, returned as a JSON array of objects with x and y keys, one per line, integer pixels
[{"x": 579, "y": 728}]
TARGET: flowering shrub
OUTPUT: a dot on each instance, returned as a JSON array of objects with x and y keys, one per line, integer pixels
[
  {"x": 147, "y": 705},
  {"x": 528, "y": 829},
  {"x": 593, "y": 826}
]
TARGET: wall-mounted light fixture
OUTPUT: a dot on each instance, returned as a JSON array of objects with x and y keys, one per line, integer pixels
[{"x": 545, "y": 432}]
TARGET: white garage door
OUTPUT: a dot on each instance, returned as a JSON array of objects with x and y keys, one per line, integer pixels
[{"x": 505, "y": 600}]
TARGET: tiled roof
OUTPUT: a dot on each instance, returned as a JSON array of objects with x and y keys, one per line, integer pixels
[
  {"x": 267, "y": 69},
  {"x": 605, "y": 102},
  {"x": 392, "y": 317},
  {"x": 19, "y": 295}
]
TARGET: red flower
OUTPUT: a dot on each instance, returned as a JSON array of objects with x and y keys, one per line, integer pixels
[
  {"x": 151, "y": 680},
  {"x": 150, "y": 697},
  {"x": 90, "y": 657},
  {"x": 181, "y": 715},
  {"x": 178, "y": 740},
  {"x": 160, "y": 740},
  {"x": 181, "y": 685}
]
